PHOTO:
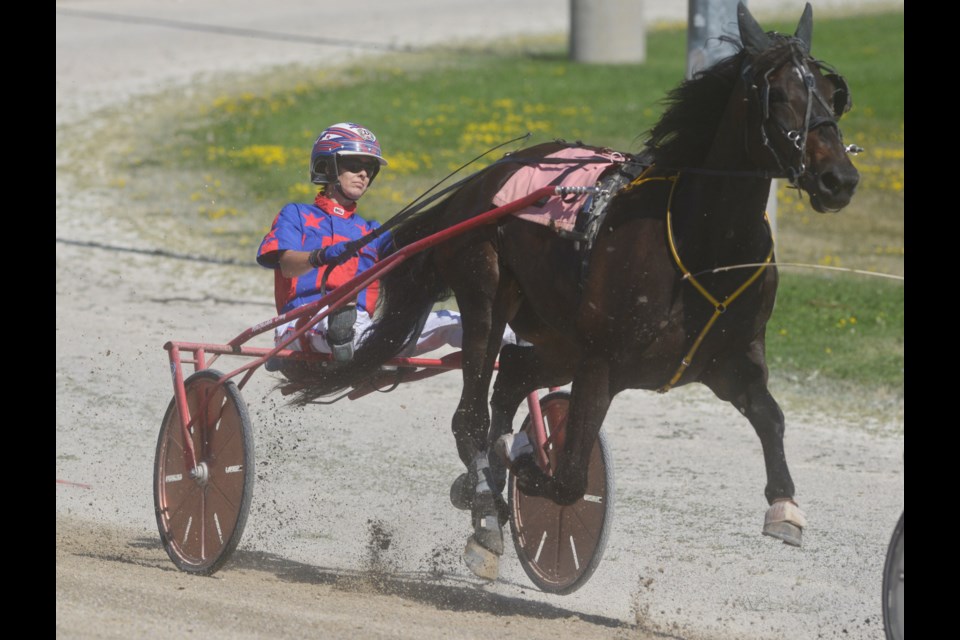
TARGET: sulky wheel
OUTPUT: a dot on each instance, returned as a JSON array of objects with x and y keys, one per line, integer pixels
[
  {"x": 893, "y": 585},
  {"x": 201, "y": 511},
  {"x": 561, "y": 546}
]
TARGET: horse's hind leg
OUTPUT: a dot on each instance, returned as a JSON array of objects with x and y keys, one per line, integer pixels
[
  {"x": 743, "y": 383},
  {"x": 470, "y": 425},
  {"x": 483, "y": 326},
  {"x": 522, "y": 371}
]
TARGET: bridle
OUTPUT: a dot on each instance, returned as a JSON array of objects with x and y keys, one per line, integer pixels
[{"x": 829, "y": 113}]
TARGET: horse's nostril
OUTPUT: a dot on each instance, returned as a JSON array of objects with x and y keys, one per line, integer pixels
[
  {"x": 833, "y": 182},
  {"x": 829, "y": 182}
]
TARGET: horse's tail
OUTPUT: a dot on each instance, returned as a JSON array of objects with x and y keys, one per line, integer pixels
[{"x": 407, "y": 293}]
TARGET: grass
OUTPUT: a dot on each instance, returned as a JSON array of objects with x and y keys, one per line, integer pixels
[
  {"x": 838, "y": 327},
  {"x": 226, "y": 163},
  {"x": 431, "y": 116}
]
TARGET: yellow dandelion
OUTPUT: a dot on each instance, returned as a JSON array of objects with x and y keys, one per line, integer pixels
[{"x": 300, "y": 190}]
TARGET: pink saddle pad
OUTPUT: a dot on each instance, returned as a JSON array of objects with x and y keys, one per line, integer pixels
[{"x": 558, "y": 213}]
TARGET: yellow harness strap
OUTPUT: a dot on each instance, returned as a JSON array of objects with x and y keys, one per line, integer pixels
[
  {"x": 643, "y": 179},
  {"x": 718, "y": 306}
]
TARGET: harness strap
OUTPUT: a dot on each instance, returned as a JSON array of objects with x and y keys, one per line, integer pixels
[{"x": 719, "y": 307}]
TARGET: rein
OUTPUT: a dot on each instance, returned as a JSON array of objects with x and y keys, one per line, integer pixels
[{"x": 719, "y": 306}]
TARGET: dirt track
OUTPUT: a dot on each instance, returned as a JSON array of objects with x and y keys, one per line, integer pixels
[{"x": 685, "y": 558}]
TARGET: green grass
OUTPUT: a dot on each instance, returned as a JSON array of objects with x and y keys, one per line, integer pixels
[
  {"x": 238, "y": 156},
  {"x": 838, "y": 327},
  {"x": 431, "y": 117}
]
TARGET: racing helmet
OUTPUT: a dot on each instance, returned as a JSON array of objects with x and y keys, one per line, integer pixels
[{"x": 342, "y": 139}]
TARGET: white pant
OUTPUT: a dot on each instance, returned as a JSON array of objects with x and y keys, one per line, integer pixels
[{"x": 442, "y": 329}]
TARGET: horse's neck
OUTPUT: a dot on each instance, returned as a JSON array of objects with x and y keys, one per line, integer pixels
[
  {"x": 728, "y": 152},
  {"x": 726, "y": 204}
]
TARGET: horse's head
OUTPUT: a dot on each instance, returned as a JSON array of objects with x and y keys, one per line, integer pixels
[{"x": 795, "y": 103}]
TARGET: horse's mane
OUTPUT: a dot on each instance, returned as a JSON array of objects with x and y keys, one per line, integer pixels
[{"x": 686, "y": 130}]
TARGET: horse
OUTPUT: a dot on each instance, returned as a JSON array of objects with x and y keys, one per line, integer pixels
[{"x": 657, "y": 302}]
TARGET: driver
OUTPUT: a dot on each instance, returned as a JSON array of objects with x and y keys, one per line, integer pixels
[{"x": 304, "y": 237}]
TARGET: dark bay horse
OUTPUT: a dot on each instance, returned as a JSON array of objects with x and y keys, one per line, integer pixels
[{"x": 652, "y": 307}]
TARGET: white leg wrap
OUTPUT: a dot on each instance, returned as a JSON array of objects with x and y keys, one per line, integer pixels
[
  {"x": 511, "y": 446},
  {"x": 480, "y": 465}
]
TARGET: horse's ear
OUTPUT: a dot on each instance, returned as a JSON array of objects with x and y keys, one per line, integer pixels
[
  {"x": 805, "y": 27},
  {"x": 752, "y": 36}
]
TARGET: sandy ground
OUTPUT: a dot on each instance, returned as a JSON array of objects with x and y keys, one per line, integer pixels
[{"x": 685, "y": 558}]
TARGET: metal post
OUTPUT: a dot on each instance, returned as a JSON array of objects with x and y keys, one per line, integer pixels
[
  {"x": 706, "y": 21},
  {"x": 608, "y": 31}
]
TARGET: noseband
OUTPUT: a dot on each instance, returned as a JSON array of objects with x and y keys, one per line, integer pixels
[{"x": 831, "y": 110}]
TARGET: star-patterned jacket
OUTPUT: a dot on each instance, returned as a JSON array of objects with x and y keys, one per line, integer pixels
[{"x": 304, "y": 227}]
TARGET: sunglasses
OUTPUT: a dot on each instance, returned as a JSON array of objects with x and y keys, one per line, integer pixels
[{"x": 356, "y": 165}]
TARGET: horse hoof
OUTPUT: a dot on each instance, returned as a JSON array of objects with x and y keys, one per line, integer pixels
[
  {"x": 483, "y": 562},
  {"x": 790, "y": 533},
  {"x": 462, "y": 491},
  {"x": 785, "y": 521}
]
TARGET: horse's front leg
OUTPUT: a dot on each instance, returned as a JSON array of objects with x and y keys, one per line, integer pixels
[
  {"x": 589, "y": 402},
  {"x": 743, "y": 382},
  {"x": 784, "y": 519}
]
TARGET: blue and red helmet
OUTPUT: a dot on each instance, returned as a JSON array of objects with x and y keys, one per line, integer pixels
[{"x": 342, "y": 139}]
